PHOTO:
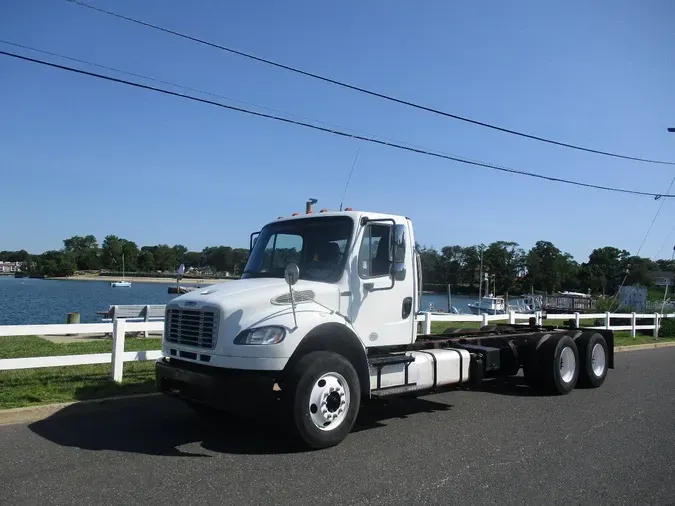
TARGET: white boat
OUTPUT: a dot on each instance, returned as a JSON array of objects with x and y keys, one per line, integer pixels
[
  {"x": 122, "y": 283},
  {"x": 488, "y": 304},
  {"x": 526, "y": 304}
]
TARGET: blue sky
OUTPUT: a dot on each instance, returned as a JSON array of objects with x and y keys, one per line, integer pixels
[{"x": 79, "y": 155}]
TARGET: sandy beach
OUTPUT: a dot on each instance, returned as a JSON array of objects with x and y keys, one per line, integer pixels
[{"x": 168, "y": 281}]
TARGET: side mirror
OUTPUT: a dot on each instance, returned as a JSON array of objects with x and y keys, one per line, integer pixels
[
  {"x": 399, "y": 251},
  {"x": 254, "y": 238},
  {"x": 292, "y": 274}
]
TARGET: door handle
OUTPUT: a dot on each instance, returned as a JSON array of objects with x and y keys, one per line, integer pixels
[{"x": 407, "y": 308}]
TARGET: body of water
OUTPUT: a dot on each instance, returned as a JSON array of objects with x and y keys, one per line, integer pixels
[{"x": 27, "y": 301}]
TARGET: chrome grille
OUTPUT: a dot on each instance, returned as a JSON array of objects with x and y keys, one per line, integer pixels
[{"x": 191, "y": 327}]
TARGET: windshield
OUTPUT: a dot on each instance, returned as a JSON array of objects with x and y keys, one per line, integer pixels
[{"x": 317, "y": 245}]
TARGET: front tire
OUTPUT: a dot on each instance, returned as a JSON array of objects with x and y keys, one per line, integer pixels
[{"x": 325, "y": 397}]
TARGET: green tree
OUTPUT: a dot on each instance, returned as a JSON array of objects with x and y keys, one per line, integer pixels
[
  {"x": 605, "y": 269},
  {"x": 504, "y": 261},
  {"x": 146, "y": 261},
  {"x": 192, "y": 259},
  {"x": 550, "y": 269},
  {"x": 85, "y": 251}
]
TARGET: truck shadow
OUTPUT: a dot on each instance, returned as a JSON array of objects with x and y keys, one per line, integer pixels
[
  {"x": 510, "y": 386},
  {"x": 166, "y": 427}
]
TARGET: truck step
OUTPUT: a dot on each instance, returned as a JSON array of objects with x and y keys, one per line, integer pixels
[
  {"x": 397, "y": 390},
  {"x": 382, "y": 360}
]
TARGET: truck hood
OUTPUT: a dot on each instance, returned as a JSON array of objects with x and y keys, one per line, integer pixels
[
  {"x": 245, "y": 303},
  {"x": 260, "y": 290}
]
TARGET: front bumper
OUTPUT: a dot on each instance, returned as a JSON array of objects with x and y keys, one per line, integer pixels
[
  {"x": 213, "y": 386},
  {"x": 196, "y": 356}
]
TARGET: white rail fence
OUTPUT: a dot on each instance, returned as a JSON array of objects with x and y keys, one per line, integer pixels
[
  {"x": 120, "y": 326},
  {"x": 512, "y": 317}
]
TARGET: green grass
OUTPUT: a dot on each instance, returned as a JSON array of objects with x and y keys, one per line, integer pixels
[
  {"x": 48, "y": 385},
  {"x": 32, "y": 346}
]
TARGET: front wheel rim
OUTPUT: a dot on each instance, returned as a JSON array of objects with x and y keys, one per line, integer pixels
[
  {"x": 568, "y": 364},
  {"x": 598, "y": 359},
  {"x": 329, "y": 401}
]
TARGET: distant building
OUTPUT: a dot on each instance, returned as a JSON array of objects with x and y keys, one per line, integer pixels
[
  {"x": 6, "y": 267},
  {"x": 634, "y": 297},
  {"x": 663, "y": 278}
]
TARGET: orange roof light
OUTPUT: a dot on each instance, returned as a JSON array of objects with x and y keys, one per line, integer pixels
[
  {"x": 348, "y": 209},
  {"x": 324, "y": 211}
]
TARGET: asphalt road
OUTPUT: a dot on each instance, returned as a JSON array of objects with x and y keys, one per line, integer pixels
[{"x": 614, "y": 445}]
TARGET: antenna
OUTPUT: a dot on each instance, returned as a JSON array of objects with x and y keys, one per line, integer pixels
[{"x": 349, "y": 178}]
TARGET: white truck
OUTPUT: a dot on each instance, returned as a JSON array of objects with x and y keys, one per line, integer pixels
[{"x": 324, "y": 318}]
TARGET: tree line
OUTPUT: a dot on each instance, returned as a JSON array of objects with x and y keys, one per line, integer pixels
[
  {"x": 510, "y": 268},
  {"x": 83, "y": 254},
  {"x": 544, "y": 268}
]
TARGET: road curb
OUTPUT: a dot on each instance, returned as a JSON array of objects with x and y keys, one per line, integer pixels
[
  {"x": 638, "y": 347},
  {"x": 36, "y": 413}
]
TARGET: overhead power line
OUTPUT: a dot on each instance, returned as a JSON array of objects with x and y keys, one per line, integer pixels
[
  {"x": 332, "y": 130},
  {"x": 658, "y": 211},
  {"x": 153, "y": 79},
  {"x": 364, "y": 90},
  {"x": 637, "y": 253},
  {"x": 203, "y": 92}
]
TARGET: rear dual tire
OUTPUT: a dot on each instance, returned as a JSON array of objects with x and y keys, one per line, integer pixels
[
  {"x": 593, "y": 354},
  {"x": 558, "y": 363},
  {"x": 553, "y": 365}
]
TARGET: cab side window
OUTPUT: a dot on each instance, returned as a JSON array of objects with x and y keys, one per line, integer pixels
[{"x": 374, "y": 251}]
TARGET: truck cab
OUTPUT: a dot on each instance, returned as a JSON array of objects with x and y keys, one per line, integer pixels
[{"x": 323, "y": 318}]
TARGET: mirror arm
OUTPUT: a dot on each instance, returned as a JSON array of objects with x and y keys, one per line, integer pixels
[{"x": 292, "y": 275}]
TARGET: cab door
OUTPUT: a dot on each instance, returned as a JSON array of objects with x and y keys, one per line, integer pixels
[{"x": 382, "y": 284}]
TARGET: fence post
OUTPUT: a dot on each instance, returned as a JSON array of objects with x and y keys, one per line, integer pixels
[
  {"x": 147, "y": 318},
  {"x": 512, "y": 317},
  {"x": 485, "y": 320},
  {"x": 607, "y": 317},
  {"x": 656, "y": 324},
  {"x": 633, "y": 321},
  {"x": 427, "y": 323},
  {"x": 577, "y": 320},
  {"x": 119, "y": 328}
]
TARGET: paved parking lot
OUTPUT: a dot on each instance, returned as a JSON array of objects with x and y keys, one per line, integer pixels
[{"x": 615, "y": 445}]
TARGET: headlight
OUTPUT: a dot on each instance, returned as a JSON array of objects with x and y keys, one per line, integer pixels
[{"x": 261, "y": 335}]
